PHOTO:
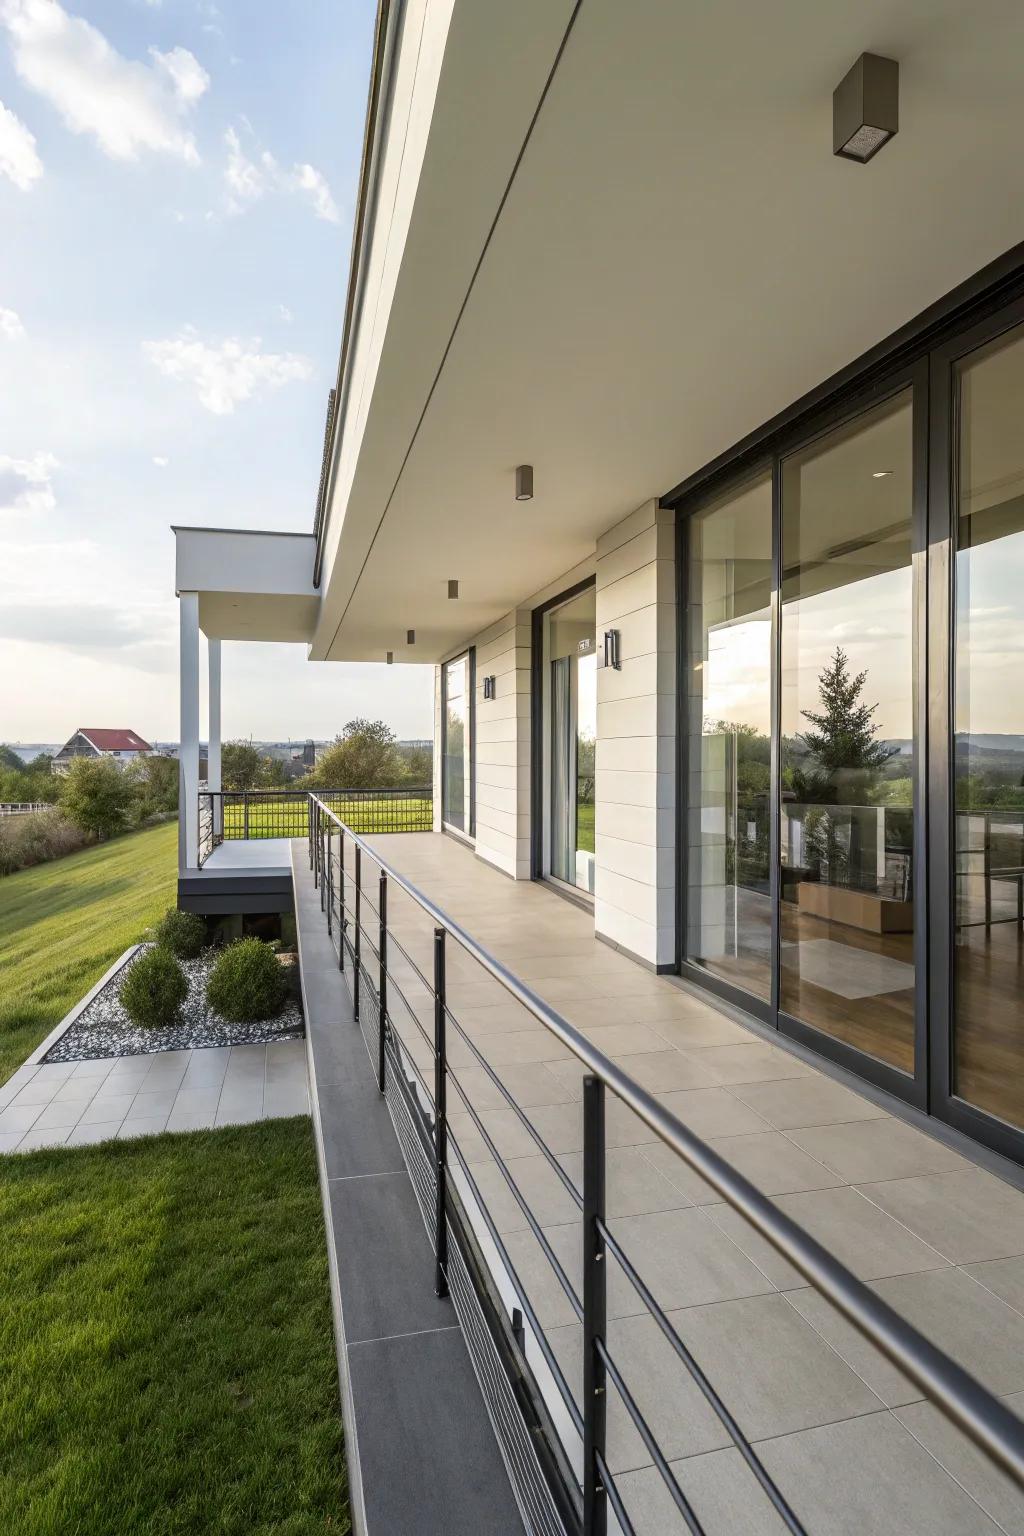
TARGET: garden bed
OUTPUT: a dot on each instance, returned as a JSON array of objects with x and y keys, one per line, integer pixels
[{"x": 103, "y": 1027}]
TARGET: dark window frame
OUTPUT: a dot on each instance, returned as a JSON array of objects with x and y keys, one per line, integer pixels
[
  {"x": 923, "y": 356},
  {"x": 537, "y": 808}
]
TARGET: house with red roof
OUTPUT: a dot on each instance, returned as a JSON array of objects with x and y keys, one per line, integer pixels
[{"x": 88, "y": 741}]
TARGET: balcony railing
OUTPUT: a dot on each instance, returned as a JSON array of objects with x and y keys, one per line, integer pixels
[
  {"x": 225, "y": 815},
  {"x": 523, "y": 1380}
]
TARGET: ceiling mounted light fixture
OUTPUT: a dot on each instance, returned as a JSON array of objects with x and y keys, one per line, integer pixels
[
  {"x": 391, "y": 658},
  {"x": 880, "y": 474},
  {"x": 453, "y": 589},
  {"x": 410, "y": 637},
  {"x": 865, "y": 108},
  {"x": 524, "y": 482}
]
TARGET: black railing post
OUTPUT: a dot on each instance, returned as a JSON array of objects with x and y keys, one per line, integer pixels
[
  {"x": 440, "y": 1116},
  {"x": 329, "y": 881},
  {"x": 314, "y": 845},
  {"x": 309, "y": 826},
  {"x": 355, "y": 977},
  {"x": 382, "y": 979},
  {"x": 595, "y": 1503},
  {"x": 245, "y": 813},
  {"x": 341, "y": 898}
]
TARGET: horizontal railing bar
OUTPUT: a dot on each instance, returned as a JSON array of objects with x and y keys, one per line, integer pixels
[
  {"x": 679, "y": 1498},
  {"x": 613, "y": 1496},
  {"x": 736, "y": 1434},
  {"x": 988, "y": 1422}
]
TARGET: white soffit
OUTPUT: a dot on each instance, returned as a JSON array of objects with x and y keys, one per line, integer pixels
[{"x": 680, "y": 256}]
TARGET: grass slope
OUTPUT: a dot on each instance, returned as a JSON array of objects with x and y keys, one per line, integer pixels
[
  {"x": 166, "y": 1355},
  {"x": 289, "y": 818},
  {"x": 63, "y": 924}
]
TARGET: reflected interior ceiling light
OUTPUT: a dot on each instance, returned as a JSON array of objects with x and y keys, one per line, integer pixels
[
  {"x": 453, "y": 589},
  {"x": 880, "y": 474},
  {"x": 524, "y": 482},
  {"x": 865, "y": 108},
  {"x": 410, "y": 637}
]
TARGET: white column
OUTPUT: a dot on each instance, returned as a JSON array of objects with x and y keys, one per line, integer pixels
[
  {"x": 188, "y": 752},
  {"x": 213, "y": 749}
]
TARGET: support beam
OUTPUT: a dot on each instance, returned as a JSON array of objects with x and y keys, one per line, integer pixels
[
  {"x": 213, "y": 749},
  {"x": 188, "y": 751}
]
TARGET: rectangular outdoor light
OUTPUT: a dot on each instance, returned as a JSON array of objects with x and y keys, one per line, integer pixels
[
  {"x": 865, "y": 108},
  {"x": 490, "y": 687},
  {"x": 609, "y": 656},
  {"x": 453, "y": 589},
  {"x": 410, "y": 637},
  {"x": 524, "y": 482},
  {"x": 391, "y": 658}
]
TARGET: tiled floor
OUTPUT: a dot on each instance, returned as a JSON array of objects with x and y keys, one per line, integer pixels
[
  {"x": 848, "y": 1438},
  {"x": 75, "y": 1103}
]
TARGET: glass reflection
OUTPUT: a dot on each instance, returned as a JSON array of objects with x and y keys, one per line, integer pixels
[
  {"x": 989, "y": 732},
  {"x": 729, "y": 714},
  {"x": 457, "y": 765},
  {"x": 847, "y": 747},
  {"x": 571, "y": 675}
]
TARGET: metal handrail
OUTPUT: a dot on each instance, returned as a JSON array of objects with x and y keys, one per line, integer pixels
[{"x": 964, "y": 1401}]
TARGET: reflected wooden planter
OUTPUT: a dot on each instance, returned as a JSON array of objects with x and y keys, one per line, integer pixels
[{"x": 857, "y": 909}]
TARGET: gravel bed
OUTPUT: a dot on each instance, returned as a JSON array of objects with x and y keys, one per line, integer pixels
[{"x": 104, "y": 1028}]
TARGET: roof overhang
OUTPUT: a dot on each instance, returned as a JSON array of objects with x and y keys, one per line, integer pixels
[
  {"x": 251, "y": 585},
  {"x": 610, "y": 241}
]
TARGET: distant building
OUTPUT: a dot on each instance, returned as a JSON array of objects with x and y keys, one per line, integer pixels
[{"x": 123, "y": 746}]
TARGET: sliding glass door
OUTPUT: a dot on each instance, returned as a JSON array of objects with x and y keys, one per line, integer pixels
[
  {"x": 568, "y": 722},
  {"x": 846, "y": 736},
  {"x": 728, "y": 728},
  {"x": 458, "y": 721}
]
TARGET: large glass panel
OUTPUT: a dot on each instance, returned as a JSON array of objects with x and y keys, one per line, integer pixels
[
  {"x": 570, "y": 669},
  {"x": 847, "y": 735},
  {"x": 989, "y": 732},
  {"x": 457, "y": 745},
  {"x": 728, "y": 926}
]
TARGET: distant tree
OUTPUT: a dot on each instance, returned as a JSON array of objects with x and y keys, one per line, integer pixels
[
  {"x": 275, "y": 773},
  {"x": 10, "y": 759},
  {"x": 155, "y": 780},
  {"x": 97, "y": 797},
  {"x": 364, "y": 756},
  {"x": 241, "y": 765},
  {"x": 844, "y": 734},
  {"x": 41, "y": 762}
]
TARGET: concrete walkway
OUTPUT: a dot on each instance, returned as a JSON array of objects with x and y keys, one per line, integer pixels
[
  {"x": 847, "y": 1437},
  {"x": 74, "y": 1103}
]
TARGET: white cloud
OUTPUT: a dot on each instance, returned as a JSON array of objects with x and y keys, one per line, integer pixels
[
  {"x": 224, "y": 374},
  {"x": 160, "y": 461},
  {"x": 285, "y": 314},
  {"x": 10, "y": 325},
  {"x": 127, "y": 106},
  {"x": 26, "y": 484},
  {"x": 248, "y": 180},
  {"x": 18, "y": 157}
]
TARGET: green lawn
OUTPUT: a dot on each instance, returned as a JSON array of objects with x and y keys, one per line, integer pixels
[
  {"x": 166, "y": 1355},
  {"x": 288, "y": 818},
  {"x": 63, "y": 924}
]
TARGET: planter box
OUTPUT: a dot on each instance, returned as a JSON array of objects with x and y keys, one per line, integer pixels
[{"x": 857, "y": 909}]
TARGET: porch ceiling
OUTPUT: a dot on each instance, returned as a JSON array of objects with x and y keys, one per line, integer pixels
[{"x": 678, "y": 258}]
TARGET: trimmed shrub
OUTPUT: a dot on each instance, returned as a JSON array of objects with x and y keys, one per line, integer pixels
[
  {"x": 154, "y": 989},
  {"x": 247, "y": 983},
  {"x": 35, "y": 838},
  {"x": 183, "y": 933}
]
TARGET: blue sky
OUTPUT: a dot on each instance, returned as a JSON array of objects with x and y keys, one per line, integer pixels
[{"x": 177, "y": 183}]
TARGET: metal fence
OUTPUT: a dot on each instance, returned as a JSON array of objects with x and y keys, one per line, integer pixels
[
  {"x": 226, "y": 815},
  {"x": 524, "y": 1384}
]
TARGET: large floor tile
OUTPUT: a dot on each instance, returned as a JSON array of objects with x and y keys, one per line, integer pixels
[
  {"x": 545, "y": 1195},
  {"x": 975, "y": 1327},
  {"x": 662, "y": 1071},
  {"x": 870, "y": 1477},
  {"x": 877, "y": 1370},
  {"x": 713, "y": 1112},
  {"x": 721, "y": 1489},
  {"x": 751, "y": 1062},
  {"x": 1004, "y": 1277},
  {"x": 88, "y": 1135},
  {"x": 966, "y": 1216},
  {"x": 20, "y": 1117},
  {"x": 36, "y": 1091},
  {"x": 997, "y": 1494},
  {"x": 771, "y": 1161},
  {"x": 66, "y": 1113},
  {"x": 860, "y": 1150},
  {"x": 624, "y": 1039},
  {"x": 800, "y": 1101},
  {"x": 684, "y": 1259},
  {"x": 633, "y": 1186},
  {"x": 53, "y": 1136}
]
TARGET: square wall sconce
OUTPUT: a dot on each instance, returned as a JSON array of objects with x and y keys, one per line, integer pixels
[
  {"x": 866, "y": 108},
  {"x": 609, "y": 656},
  {"x": 490, "y": 687}
]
